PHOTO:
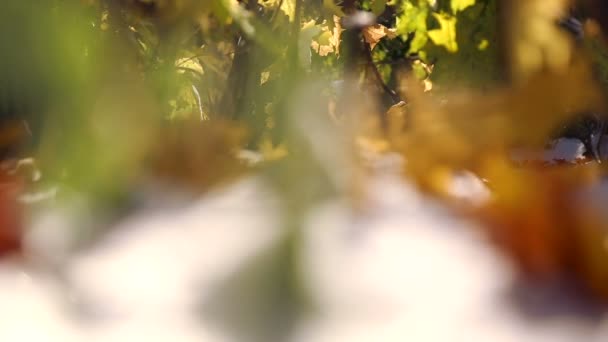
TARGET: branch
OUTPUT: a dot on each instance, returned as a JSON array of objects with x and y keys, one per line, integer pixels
[{"x": 371, "y": 65}]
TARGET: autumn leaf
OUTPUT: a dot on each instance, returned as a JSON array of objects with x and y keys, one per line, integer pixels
[
  {"x": 460, "y": 5},
  {"x": 308, "y": 31},
  {"x": 322, "y": 45},
  {"x": 288, "y": 7},
  {"x": 271, "y": 151},
  {"x": 328, "y": 41},
  {"x": 374, "y": 33},
  {"x": 190, "y": 63},
  {"x": 446, "y": 34}
]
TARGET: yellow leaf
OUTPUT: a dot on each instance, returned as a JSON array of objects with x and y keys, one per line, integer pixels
[
  {"x": 322, "y": 45},
  {"x": 271, "y": 152},
  {"x": 460, "y": 5},
  {"x": 483, "y": 44},
  {"x": 289, "y": 8},
  {"x": 308, "y": 31},
  {"x": 189, "y": 63},
  {"x": 445, "y": 35},
  {"x": 264, "y": 77},
  {"x": 329, "y": 40},
  {"x": 428, "y": 85},
  {"x": 336, "y": 34}
]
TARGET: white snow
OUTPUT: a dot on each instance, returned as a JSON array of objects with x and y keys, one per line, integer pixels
[
  {"x": 563, "y": 149},
  {"x": 404, "y": 268}
]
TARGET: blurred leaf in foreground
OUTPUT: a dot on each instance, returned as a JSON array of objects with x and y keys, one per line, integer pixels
[{"x": 465, "y": 128}]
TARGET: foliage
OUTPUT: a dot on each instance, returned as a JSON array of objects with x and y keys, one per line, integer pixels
[{"x": 175, "y": 90}]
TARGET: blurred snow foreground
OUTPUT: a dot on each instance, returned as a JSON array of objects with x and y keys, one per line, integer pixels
[{"x": 406, "y": 269}]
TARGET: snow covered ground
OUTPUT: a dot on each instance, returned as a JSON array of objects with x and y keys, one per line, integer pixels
[
  {"x": 568, "y": 150},
  {"x": 404, "y": 269}
]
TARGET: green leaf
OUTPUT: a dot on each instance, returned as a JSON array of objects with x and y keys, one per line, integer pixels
[
  {"x": 419, "y": 41},
  {"x": 331, "y": 6},
  {"x": 412, "y": 19},
  {"x": 445, "y": 35},
  {"x": 378, "y": 7},
  {"x": 460, "y": 5}
]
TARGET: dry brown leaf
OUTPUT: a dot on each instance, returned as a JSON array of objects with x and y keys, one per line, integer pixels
[
  {"x": 373, "y": 34},
  {"x": 329, "y": 40},
  {"x": 539, "y": 220}
]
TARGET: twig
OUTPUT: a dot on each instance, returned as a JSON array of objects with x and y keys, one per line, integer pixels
[
  {"x": 274, "y": 13},
  {"x": 186, "y": 69},
  {"x": 198, "y": 102},
  {"x": 371, "y": 65}
]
